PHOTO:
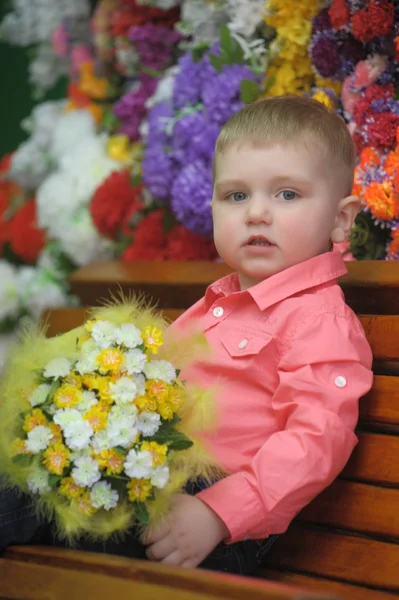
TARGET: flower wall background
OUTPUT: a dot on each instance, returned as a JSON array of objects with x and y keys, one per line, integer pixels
[{"x": 121, "y": 167}]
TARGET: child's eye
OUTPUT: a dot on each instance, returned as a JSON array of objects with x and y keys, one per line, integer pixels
[
  {"x": 237, "y": 196},
  {"x": 287, "y": 195}
]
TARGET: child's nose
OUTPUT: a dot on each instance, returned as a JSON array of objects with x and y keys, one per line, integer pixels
[{"x": 259, "y": 210}]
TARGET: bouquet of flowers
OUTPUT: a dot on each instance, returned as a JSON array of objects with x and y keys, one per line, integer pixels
[{"x": 97, "y": 426}]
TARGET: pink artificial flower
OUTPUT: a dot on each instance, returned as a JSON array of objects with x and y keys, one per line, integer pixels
[
  {"x": 80, "y": 55},
  {"x": 59, "y": 41}
]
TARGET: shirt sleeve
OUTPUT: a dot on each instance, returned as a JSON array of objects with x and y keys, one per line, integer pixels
[{"x": 322, "y": 375}]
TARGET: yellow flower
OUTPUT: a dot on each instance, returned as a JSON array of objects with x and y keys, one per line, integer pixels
[
  {"x": 111, "y": 460},
  {"x": 34, "y": 419},
  {"x": 329, "y": 84},
  {"x": 175, "y": 397},
  {"x": 73, "y": 379},
  {"x": 157, "y": 390},
  {"x": 157, "y": 451},
  {"x": 165, "y": 410},
  {"x": 152, "y": 338},
  {"x": 110, "y": 360},
  {"x": 139, "y": 490},
  {"x": 56, "y": 458},
  {"x": 322, "y": 97},
  {"x": 145, "y": 403},
  {"x": 97, "y": 416},
  {"x": 67, "y": 396},
  {"x": 56, "y": 431},
  {"x": 83, "y": 504},
  {"x": 69, "y": 488},
  {"x": 119, "y": 148},
  {"x": 19, "y": 447},
  {"x": 89, "y": 324}
]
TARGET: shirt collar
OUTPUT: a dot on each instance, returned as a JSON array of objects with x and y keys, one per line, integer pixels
[{"x": 321, "y": 269}]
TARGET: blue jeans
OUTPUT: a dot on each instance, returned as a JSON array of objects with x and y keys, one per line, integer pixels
[{"x": 20, "y": 525}]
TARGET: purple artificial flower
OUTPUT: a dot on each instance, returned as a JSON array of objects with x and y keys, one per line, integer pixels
[
  {"x": 187, "y": 83},
  {"x": 324, "y": 54},
  {"x": 159, "y": 172},
  {"x": 155, "y": 44},
  {"x": 131, "y": 109},
  {"x": 351, "y": 51},
  {"x": 221, "y": 92},
  {"x": 158, "y": 119},
  {"x": 321, "y": 21},
  {"x": 191, "y": 197},
  {"x": 194, "y": 137}
]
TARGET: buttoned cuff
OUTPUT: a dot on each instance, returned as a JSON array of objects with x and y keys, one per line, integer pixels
[{"x": 238, "y": 505}]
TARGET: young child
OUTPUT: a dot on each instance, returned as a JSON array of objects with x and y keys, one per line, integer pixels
[
  {"x": 292, "y": 355},
  {"x": 291, "y": 358}
]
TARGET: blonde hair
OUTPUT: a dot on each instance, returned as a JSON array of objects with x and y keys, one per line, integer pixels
[{"x": 285, "y": 119}]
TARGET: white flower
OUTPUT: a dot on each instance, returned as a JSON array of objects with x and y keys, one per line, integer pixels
[
  {"x": 138, "y": 464},
  {"x": 128, "y": 335},
  {"x": 40, "y": 291},
  {"x": 103, "y": 333},
  {"x": 160, "y": 476},
  {"x": 30, "y": 165},
  {"x": 245, "y": 16},
  {"x": 164, "y": 89},
  {"x": 70, "y": 130},
  {"x": 139, "y": 380},
  {"x": 39, "y": 395},
  {"x": 87, "y": 364},
  {"x": 86, "y": 472},
  {"x": 102, "y": 441},
  {"x": 56, "y": 201},
  {"x": 134, "y": 361},
  {"x": 67, "y": 418},
  {"x": 148, "y": 423},
  {"x": 160, "y": 370},
  {"x": 38, "y": 481},
  {"x": 103, "y": 496},
  {"x": 58, "y": 367},
  {"x": 80, "y": 240},
  {"x": 79, "y": 436},
  {"x": 88, "y": 400},
  {"x": 121, "y": 412},
  {"x": 9, "y": 292},
  {"x": 77, "y": 454},
  {"x": 122, "y": 432},
  {"x": 46, "y": 68},
  {"x": 123, "y": 391},
  {"x": 38, "y": 439},
  {"x": 89, "y": 346}
]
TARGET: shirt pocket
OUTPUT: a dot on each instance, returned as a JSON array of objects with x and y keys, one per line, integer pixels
[{"x": 244, "y": 344}]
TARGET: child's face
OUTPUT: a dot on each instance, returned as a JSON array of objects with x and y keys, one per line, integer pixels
[{"x": 272, "y": 207}]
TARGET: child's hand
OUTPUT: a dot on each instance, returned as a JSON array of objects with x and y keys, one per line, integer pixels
[{"x": 190, "y": 533}]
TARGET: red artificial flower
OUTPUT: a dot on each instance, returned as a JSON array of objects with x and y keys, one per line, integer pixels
[
  {"x": 5, "y": 163},
  {"x": 339, "y": 13},
  {"x": 150, "y": 231},
  {"x": 382, "y": 131},
  {"x": 129, "y": 14},
  {"x": 374, "y": 21},
  {"x": 25, "y": 238},
  {"x": 135, "y": 252},
  {"x": 186, "y": 245},
  {"x": 112, "y": 201}
]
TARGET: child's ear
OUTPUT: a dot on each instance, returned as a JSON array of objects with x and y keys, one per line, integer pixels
[{"x": 346, "y": 214}]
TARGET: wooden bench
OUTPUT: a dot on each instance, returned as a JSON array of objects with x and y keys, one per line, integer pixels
[{"x": 346, "y": 542}]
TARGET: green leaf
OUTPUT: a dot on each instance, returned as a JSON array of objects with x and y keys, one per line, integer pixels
[
  {"x": 168, "y": 222},
  {"x": 142, "y": 512},
  {"x": 249, "y": 91},
  {"x": 179, "y": 441},
  {"x": 136, "y": 180},
  {"x": 237, "y": 55},
  {"x": 217, "y": 62},
  {"x": 199, "y": 50},
  {"x": 226, "y": 41},
  {"x": 23, "y": 460},
  {"x": 53, "y": 480}
]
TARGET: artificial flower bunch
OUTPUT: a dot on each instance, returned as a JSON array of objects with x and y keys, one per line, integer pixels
[{"x": 97, "y": 426}]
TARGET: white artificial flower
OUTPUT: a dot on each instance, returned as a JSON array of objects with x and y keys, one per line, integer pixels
[
  {"x": 87, "y": 364},
  {"x": 103, "y": 333},
  {"x": 56, "y": 201},
  {"x": 79, "y": 436},
  {"x": 70, "y": 130},
  {"x": 134, "y": 361},
  {"x": 138, "y": 464},
  {"x": 103, "y": 496},
  {"x": 46, "y": 68},
  {"x": 245, "y": 15},
  {"x": 80, "y": 240},
  {"x": 38, "y": 439},
  {"x": 123, "y": 391},
  {"x": 128, "y": 335},
  {"x": 139, "y": 380},
  {"x": 67, "y": 418},
  {"x": 38, "y": 481},
  {"x": 160, "y": 476},
  {"x": 30, "y": 165},
  {"x": 102, "y": 441},
  {"x": 86, "y": 472},
  {"x": 161, "y": 370},
  {"x": 77, "y": 454},
  {"x": 40, "y": 291},
  {"x": 57, "y": 367},
  {"x": 122, "y": 431},
  {"x": 88, "y": 400},
  {"x": 120, "y": 412},
  {"x": 88, "y": 347},
  {"x": 148, "y": 423},
  {"x": 201, "y": 20},
  {"x": 9, "y": 291},
  {"x": 39, "y": 395},
  {"x": 164, "y": 89},
  {"x": 41, "y": 122}
]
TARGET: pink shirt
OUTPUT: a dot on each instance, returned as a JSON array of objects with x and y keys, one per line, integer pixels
[{"x": 294, "y": 362}]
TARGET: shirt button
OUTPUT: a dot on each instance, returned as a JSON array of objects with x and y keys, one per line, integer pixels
[
  {"x": 218, "y": 311},
  {"x": 340, "y": 381},
  {"x": 242, "y": 344}
]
